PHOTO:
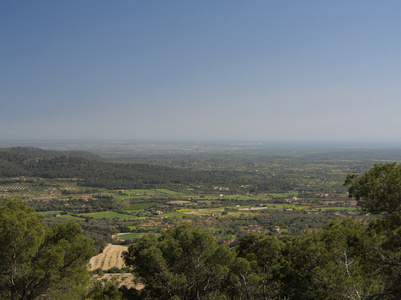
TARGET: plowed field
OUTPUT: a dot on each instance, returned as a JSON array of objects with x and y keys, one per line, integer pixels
[{"x": 111, "y": 257}]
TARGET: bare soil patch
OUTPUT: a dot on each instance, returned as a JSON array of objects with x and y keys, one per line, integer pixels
[
  {"x": 111, "y": 257},
  {"x": 178, "y": 202}
]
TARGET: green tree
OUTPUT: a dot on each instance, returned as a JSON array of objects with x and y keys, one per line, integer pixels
[
  {"x": 107, "y": 291},
  {"x": 334, "y": 263},
  {"x": 185, "y": 262},
  {"x": 378, "y": 190},
  {"x": 252, "y": 275},
  {"x": 41, "y": 262},
  {"x": 350, "y": 271},
  {"x": 386, "y": 231}
]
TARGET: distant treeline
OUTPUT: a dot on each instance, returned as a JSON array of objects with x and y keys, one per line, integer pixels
[
  {"x": 96, "y": 173},
  {"x": 37, "y": 152}
]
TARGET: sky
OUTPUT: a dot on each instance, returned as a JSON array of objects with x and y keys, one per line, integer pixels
[{"x": 201, "y": 70}]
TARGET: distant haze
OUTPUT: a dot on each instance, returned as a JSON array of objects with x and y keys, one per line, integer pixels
[{"x": 302, "y": 71}]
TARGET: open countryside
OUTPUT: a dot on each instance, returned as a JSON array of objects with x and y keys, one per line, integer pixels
[{"x": 264, "y": 191}]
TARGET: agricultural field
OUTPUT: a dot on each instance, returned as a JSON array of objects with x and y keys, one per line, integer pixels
[
  {"x": 128, "y": 236},
  {"x": 106, "y": 215},
  {"x": 107, "y": 260},
  {"x": 110, "y": 257}
]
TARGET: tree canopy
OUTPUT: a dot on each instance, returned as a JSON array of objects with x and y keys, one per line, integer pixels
[
  {"x": 378, "y": 190},
  {"x": 38, "y": 261},
  {"x": 345, "y": 260},
  {"x": 184, "y": 261}
]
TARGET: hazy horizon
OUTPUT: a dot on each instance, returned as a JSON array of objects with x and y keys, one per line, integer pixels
[
  {"x": 91, "y": 144},
  {"x": 254, "y": 71}
]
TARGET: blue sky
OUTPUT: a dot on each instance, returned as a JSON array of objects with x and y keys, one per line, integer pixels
[{"x": 201, "y": 70}]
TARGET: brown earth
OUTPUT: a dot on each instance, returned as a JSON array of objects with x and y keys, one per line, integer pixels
[
  {"x": 111, "y": 257},
  {"x": 178, "y": 202}
]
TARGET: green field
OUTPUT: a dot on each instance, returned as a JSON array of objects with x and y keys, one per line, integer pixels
[
  {"x": 107, "y": 215},
  {"x": 129, "y": 236},
  {"x": 51, "y": 212},
  {"x": 133, "y": 211},
  {"x": 165, "y": 191},
  {"x": 151, "y": 191},
  {"x": 340, "y": 208},
  {"x": 284, "y": 195},
  {"x": 178, "y": 215},
  {"x": 69, "y": 217},
  {"x": 133, "y": 227},
  {"x": 144, "y": 205}
]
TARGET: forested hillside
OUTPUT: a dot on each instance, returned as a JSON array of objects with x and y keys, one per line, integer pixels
[
  {"x": 94, "y": 173},
  {"x": 38, "y": 152}
]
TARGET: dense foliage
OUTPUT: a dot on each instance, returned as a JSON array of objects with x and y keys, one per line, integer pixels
[
  {"x": 38, "y": 261},
  {"x": 184, "y": 262},
  {"x": 378, "y": 190},
  {"x": 345, "y": 260},
  {"x": 38, "y": 152}
]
